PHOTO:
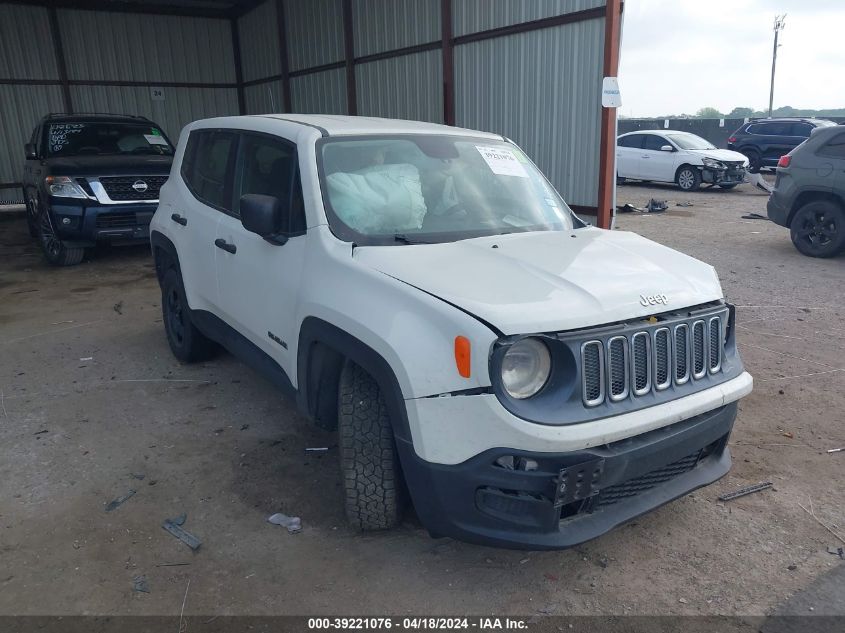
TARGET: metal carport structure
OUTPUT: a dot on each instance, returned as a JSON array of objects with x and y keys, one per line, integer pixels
[{"x": 529, "y": 70}]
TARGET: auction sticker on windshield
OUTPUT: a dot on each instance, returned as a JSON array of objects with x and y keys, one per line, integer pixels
[
  {"x": 154, "y": 139},
  {"x": 502, "y": 161}
]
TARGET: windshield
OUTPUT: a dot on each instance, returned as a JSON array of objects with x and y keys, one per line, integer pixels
[
  {"x": 690, "y": 141},
  {"x": 100, "y": 138},
  {"x": 424, "y": 188}
]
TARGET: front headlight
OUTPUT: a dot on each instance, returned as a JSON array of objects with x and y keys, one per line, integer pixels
[
  {"x": 63, "y": 187},
  {"x": 712, "y": 163},
  {"x": 525, "y": 368}
]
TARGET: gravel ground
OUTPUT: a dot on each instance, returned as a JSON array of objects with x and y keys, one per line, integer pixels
[{"x": 94, "y": 406}]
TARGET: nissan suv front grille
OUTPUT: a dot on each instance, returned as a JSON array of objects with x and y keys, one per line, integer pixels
[
  {"x": 122, "y": 188},
  {"x": 634, "y": 364}
]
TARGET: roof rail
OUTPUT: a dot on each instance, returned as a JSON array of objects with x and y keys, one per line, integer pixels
[{"x": 127, "y": 116}]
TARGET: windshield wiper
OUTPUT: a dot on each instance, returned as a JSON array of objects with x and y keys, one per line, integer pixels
[{"x": 404, "y": 239}]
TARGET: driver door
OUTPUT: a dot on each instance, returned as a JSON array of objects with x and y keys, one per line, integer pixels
[
  {"x": 657, "y": 164},
  {"x": 259, "y": 281}
]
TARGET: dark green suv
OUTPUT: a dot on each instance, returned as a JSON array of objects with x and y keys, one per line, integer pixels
[{"x": 809, "y": 193}]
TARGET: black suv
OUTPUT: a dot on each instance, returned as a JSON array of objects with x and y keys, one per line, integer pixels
[
  {"x": 764, "y": 141},
  {"x": 91, "y": 178},
  {"x": 809, "y": 193}
]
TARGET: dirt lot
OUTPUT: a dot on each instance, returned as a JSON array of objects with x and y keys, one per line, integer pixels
[{"x": 94, "y": 405}]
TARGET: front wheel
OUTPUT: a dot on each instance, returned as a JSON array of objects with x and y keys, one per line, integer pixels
[
  {"x": 688, "y": 178},
  {"x": 818, "y": 229},
  {"x": 54, "y": 249},
  {"x": 187, "y": 343},
  {"x": 372, "y": 480}
]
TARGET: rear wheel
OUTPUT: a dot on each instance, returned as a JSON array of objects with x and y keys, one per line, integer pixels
[
  {"x": 187, "y": 343},
  {"x": 54, "y": 249},
  {"x": 688, "y": 178},
  {"x": 369, "y": 465},
  {"x": 818, "y": 229}
]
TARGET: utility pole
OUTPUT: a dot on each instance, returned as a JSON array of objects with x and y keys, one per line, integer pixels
[{"x": 779, "y": 25}]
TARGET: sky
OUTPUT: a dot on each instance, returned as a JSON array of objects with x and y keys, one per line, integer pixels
[{"x": 682, "y": 55}]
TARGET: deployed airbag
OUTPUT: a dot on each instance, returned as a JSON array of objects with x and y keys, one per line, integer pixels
[{"x": 378, "y": 199}]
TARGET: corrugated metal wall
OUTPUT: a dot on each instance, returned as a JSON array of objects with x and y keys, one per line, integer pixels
[
  {"x": 265, "y": 98},
  {"x": 407, "y": 87},
  {"x": 472, "y": 16},
  {"x": 315, "y": 32},
  {"x": 320, "y": 93},
  {"x": 21, "y": 108},
  {"x": 26, "y": 50},
  {"x": 136, "y": 47},
  {"x": 180, "y": 105},
  {"x": 259, "y": 39},
  {"x": 541, "y": 89},
  {"x": 384, "y": 25}
]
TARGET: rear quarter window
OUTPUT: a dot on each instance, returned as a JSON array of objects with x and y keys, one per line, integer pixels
[
  {"x": 834, "y": 148},
  {"x": 208, "y": 165}
]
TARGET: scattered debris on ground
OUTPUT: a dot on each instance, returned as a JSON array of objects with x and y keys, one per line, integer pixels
[
  {"x": 812, "y": 513},
  {"x": 293, "y": 524},
  {"x": 656, "y": 206},
  {"x": 753, "y": 216},
  {"x": 685, "y": 203},
  {"x": 745, "y": 491},
  {"x": 140, "y": 584},
  {"x": 118, "y": 307},
  {"x": 836, "y": 450},
  {"x": 174, "y": 527},
  {"x": 116, "y": 503}
]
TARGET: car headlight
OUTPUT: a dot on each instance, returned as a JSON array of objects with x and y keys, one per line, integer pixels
[
  {"x": 63, "y": 187},
  {"x": 712, "y": 163},
  {"x": 525, "y": 368}
]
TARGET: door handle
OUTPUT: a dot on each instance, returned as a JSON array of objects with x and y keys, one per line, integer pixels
[
  {"x": 229, "y": 248},
  {"x": 179, "y": 219}
]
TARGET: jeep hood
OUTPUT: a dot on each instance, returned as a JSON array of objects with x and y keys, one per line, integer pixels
[{"x": 550, "y": 281}]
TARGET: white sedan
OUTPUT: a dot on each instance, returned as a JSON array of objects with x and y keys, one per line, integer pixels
[{"x": 680, "y": 157}]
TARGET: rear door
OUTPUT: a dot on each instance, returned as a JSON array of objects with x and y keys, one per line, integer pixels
[
  {"x": 628, "y": 155},
  {"x": 207, "y": 174},
  {"x": 259, "y": 281},
  {"x": 775, "y": 140},
  {"x": 657, "y": 164}
]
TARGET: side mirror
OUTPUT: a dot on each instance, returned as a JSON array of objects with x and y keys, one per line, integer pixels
[
  {"x": 29, "y": 149},
  {"x": 667, "y": 148},
  {"x": 265, "y": 216}
]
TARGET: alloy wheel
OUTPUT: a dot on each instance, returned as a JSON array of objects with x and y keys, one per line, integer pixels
[
  {"x": 818, "y": 229},
  {"x": 686, "y": 179}
]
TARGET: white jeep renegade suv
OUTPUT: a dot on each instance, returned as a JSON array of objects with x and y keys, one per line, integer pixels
[{"x": 527, "y": 380}]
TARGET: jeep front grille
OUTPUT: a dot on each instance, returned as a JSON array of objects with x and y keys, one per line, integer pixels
[{"x": 637, "y": 363}]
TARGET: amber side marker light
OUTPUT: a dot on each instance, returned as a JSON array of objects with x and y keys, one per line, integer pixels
[{"x": 462, "y": 356}]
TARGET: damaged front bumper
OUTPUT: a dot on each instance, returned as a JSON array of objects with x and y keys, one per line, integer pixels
[
  {"x": 725, "y": 176},
  {"x": 538, "y": 500}
]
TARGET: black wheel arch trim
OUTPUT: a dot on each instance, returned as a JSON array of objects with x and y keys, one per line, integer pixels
[
  {"x": 160, "y": 241},
  {"x": 315, "y": 331}
]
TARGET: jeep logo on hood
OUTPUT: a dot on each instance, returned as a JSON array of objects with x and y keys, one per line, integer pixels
[
  {"x": 652, "y": 300},
  {"x": 140, "y": 186}
]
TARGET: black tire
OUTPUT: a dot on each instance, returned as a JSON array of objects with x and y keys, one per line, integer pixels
[
  {"x": 755, "y": 161},
  {"x": 31, "y": 221},
  {"x": 54, "y": 249},
  {"x": 818, "y": 229},
  {"x": 372, "y": 480},
  {"x": 688, "y": 178},
  {"x": 187, "y": 343},
  {"x": 727, "y": 187},
  {"x": 620, "y": 180}
]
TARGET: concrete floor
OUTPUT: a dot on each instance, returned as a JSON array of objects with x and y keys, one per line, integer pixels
[{"x": 92, "y": 401}]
